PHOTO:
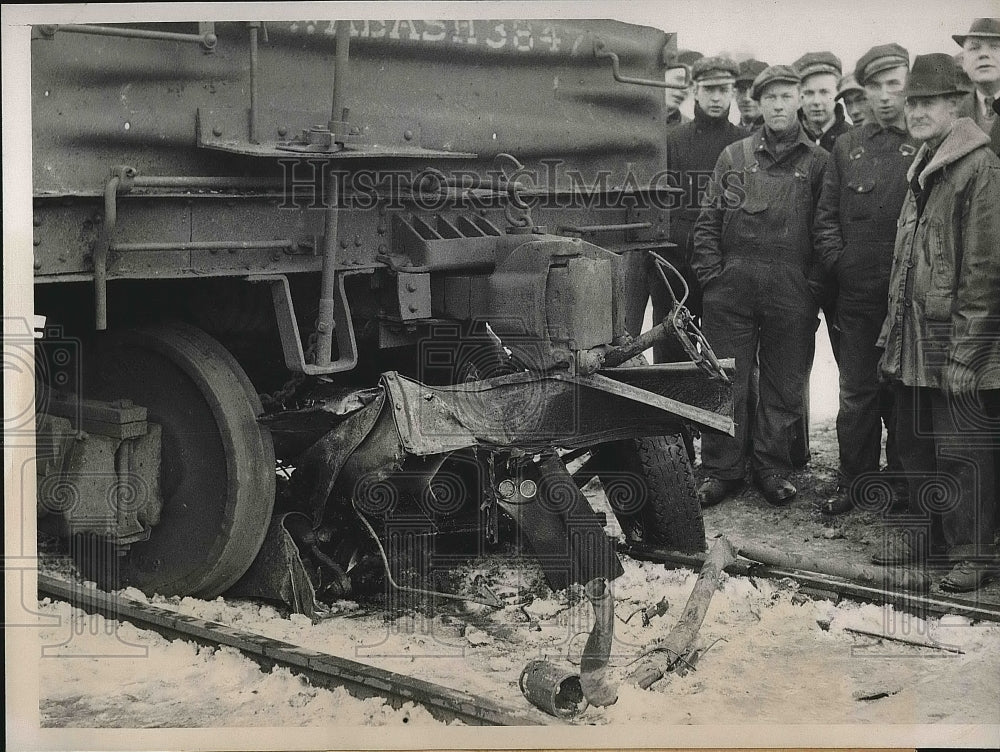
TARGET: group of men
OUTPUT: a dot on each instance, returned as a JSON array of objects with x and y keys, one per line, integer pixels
[{"x": 889, "y": 223}]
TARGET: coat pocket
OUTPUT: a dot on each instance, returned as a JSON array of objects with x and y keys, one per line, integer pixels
[
  {"x": 861, "y": 186},
  {"x": 937, "y": 306}
]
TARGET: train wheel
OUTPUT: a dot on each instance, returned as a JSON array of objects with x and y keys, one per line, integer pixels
[
  {"x": 650, "y": 485},
  {"x": 217, "y": 463}
]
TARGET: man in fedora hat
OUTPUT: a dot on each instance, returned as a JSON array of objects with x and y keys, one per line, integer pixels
[
  {"x": 753, "y": 255},
  {"x": 981, "y": 62},
  {"x": 941, "y": 337},
  {"x": 863, "y": 191}
]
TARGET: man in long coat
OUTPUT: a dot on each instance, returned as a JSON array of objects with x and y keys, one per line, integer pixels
[{"x": 941, "y": 336}]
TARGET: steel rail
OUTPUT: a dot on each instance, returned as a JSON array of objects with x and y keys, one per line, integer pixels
[
  {"x": 826, "y": 585},
  {"x": 360, "y": 679}
]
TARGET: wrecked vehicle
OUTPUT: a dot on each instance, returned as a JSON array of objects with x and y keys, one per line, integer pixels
[{"x": 382, "y": 258}]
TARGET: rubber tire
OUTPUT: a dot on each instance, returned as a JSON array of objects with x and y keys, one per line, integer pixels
[
  {"x": 670, "y": 516},
  {"x": 208, "y": 409}
]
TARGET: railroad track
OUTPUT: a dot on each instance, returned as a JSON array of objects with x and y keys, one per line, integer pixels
[
  {"x": 445, "y": 703},
  {"x": 834, "y": 588},
  {"x": 360, "y": 679}
]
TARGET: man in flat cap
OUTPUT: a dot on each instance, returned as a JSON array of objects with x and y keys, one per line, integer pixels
[
  {"x": 822, "y": 116},
  {"x": 639, "y": 283},
  {"x": 692, "y": 150},
  {"x": 863, "y": 191},
  {"x": 750, "y": 119},
  {"x": 678, "y": 73},
  {"x": 824, "y": 121},
  {"x": 850, "y": 92},
  {"x": 981, "y": 62},
  {"x": 753, "y": 255},
  {"x": 942, "y": 333},
  {"x": 674, "y": 97}
]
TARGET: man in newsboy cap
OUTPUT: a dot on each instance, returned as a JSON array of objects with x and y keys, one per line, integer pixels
[
  {"x": 677, "y": 73},
  {"x": 863, "y": 191},
  {"x": 850, "y": 92},
  {"x": 691, "y": 152},
  {"x": 981, "y": 62},
  {"x": 941, "y": 336},
  {"x": 821, "y": 115},
  {"x": 824, "y": 121},
  {"x": 757, "y": 281},
  {"x": 639, "y": 285},
  {"x": 750, "y": 119},
  {"x": 692, "y": 149}
]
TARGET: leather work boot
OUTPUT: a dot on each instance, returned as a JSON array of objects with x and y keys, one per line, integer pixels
[
  {"x": 777, "y": 490},
  {"x": 967, "y": 576},
  {"x": 839, "y": 504},
  {"x": 714, "y": 490},
  {"x": 900, "y": 548}
]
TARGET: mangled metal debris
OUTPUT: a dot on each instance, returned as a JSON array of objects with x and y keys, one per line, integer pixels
[{"x": 666, "y": 655}]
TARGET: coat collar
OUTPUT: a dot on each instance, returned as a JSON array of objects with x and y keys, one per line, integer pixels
[
  {"x": 839, "y": 117},
  {"x": 874, "y": 127},
  {"x": 703, "y": 118},
  {"x": 675, "y": 118},
  {"x": 760, "y": 142},
  {"x": 965, "y": 137}
]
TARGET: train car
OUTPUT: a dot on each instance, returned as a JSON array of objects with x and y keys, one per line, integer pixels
[{"x": 388, "y": 255}]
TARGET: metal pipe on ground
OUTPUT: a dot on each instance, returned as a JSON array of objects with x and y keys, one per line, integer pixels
[
  {"x": 901, "y": 578},
  {"x": 831, "y": 587},
  {"x": 597, "y": 651},
  {"x": 664, "y": 656}
]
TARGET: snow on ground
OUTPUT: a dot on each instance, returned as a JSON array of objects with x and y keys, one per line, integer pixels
[
  {"x": 780, "y": 658},
  {"x": 91, "y": 682}
]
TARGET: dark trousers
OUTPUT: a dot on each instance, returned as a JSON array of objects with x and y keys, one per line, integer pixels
[
  {"x": 948, "y": 449},
  {"x": 759, "y": 311},
  {"x": 636, "y": 290},
  {"x": 864, "y": 403}
]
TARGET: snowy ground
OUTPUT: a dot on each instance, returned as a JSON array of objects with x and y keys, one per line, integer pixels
[
  {"x": 781, "y": 658},
  {"x": 115, "y": 675}
]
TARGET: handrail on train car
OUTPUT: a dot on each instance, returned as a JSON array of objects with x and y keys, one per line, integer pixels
[
  {"x": 206, "y": 36},
  {"x": 601, "y": 51}
]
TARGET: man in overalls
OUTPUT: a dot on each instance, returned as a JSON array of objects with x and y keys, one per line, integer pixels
[{"x": 753, "y": 256}]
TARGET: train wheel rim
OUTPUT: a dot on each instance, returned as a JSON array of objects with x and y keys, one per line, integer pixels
[{"x": 217, "y": 463}]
